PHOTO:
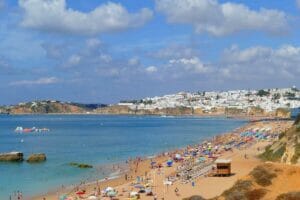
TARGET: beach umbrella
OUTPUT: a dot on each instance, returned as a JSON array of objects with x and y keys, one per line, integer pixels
[
  {"x": 63, "y": 197},
  {"x": 148, "y": 185},
  {"x": 108, "y": 189},
  {"x": 139, "y": 186},
  {"x": 148, "y": 191},
  {"x": 80, "y": 192},
  {"x": 152, "y": 164},
  {"x": 111, "y": 193},
  {"x": 167, "y": 182},
  {"x": 133, "y": 194},
  {"x": 92, "y": 198},
  {"x": 169, "y": 163}
]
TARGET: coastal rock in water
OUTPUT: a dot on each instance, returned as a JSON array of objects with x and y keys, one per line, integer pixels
[
  {"x": 34, "y": 158},
  {"x": 81, "y": 165},
  {"x": 11, "y": 157}
]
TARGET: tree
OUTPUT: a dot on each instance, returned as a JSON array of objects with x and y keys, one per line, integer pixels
[
  {"x": 262, "y": 93},
  {"x": 276, "y": 96}
]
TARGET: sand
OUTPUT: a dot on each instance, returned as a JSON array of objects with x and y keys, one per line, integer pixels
[{"x": 207, "y": 187}]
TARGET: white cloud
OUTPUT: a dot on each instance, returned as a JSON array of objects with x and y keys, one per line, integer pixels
[
  {"x": 105, "y": 58},
  {"x": 133, "y": 61},
  {"x": 174, "y": 51},
  {"x": 222, "y": 19},
  {"x": 151, "y": 69},
  {"x": 93, "y": 43},
  {"x": 260, "y": 62},
  {"x": 2, "y": 4},
  {"x": 298, "y": 3},
  {"x": 74, "y": 60},
  {"x": 55, "y": 16},
  {"x": 41, "y": 81},
  {"x": 193, "y": 65}
]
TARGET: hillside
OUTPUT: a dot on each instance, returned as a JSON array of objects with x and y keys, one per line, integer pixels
[
  {"x": 287, "y": 148},
  {"x": 265, "y": 182},
  {"x": 49, "y": 107}
]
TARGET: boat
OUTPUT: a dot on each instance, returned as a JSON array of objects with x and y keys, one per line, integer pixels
[{"x": 20, "y": 129}]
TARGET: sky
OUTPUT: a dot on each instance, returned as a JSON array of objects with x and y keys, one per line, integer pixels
[{"x": 100, "y": 51}]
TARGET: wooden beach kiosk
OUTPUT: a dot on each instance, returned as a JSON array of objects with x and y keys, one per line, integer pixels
[{"x": 223, "y": 167}]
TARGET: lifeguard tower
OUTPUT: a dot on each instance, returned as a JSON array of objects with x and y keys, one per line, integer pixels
[{"x": 223, "y": 167}]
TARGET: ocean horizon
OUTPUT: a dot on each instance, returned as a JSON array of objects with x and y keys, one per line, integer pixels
[{"x": 99, "y": 140}]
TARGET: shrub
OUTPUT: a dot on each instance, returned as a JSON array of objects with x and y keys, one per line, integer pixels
[
  {"x": 289, "y": 196},
  {"x": 296, "y": 155},
  {"x": 297, "y": 120},
  {"x": 195, "y": 197},
  {"x": 281, "y": 135},
  {"x": 256, "y": 194},
  {"x": 270, "y": 155},
  {"x": 262, "y": 176},
  {"x": 238, "y": 191}
]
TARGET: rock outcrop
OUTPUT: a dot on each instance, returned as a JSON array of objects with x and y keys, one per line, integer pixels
[
  {"x": 287, "y": 148},
  {"x": 36, "y": 158},
  {"x": 11, "y": 157},
  {"x": 81, "y": 165}
]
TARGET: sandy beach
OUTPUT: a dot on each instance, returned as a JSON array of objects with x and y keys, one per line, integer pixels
[{"x": 166, "y": 183}]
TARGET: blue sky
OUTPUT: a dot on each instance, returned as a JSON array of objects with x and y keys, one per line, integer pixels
[{"x": 107, "y": 51}]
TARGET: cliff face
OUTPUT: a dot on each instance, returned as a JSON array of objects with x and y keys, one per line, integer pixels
[
  {"x": 118, "y": 110},
  {"x": 249, "y": 112},
  {"x": 45, "y": 107},
  {"x": 287, "y": 148},
  {"x": 56, "y": 107},
  {"x": 165, "y": 111}
]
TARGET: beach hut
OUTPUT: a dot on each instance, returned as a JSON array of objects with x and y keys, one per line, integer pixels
[{"x": 223, "y": 167}]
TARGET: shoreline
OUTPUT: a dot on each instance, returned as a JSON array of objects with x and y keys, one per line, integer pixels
[
  {"x": 154, "y": 114},
  {"x": 119, "y": 181}
]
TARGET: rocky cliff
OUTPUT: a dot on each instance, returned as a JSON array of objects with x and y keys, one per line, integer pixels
[
  {"x": 51, "y": 107},
  {"x": 57, "y": 107},
  {"x": 249, "y": 112},
  {"x": 287, "y": 148}
]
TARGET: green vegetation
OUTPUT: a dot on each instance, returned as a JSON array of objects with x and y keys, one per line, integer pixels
[
  {"x": 195, "y": 197},
  {"x": 238, "y": 191},
  {"x": 80, "y": 165},
  {"x": 262, "y": 176},
  {"x": 242, "y": 190},
  {"x": 281, "y": 135},
  {"x": 296, "y": 155},
  {"x": 270, "y": 155},
  {"x": 262, "y": 93},
  {"x": 289, "y": 196},
  {"x": 290, "y": 95},
  {"x": 276, "y": 96},
  {"x": 256, "y": 194},
  {"x": 297, "y": 120}
]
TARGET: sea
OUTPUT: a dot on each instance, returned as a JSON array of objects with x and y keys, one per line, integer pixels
[{"x": 98, "y": 140}]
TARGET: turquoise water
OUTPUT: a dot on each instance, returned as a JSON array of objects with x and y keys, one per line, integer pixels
[{"x": 92, "y": 139}]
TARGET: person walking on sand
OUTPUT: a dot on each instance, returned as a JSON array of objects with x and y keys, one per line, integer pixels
[{"x": 176, "y": 191}]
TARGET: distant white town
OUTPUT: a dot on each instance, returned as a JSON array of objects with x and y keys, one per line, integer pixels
[{"x": 267, "y": 99}]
